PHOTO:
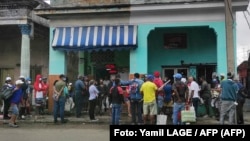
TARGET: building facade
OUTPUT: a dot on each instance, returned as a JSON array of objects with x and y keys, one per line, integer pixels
[
  {"x": 188, "y": 37},
  {"x": 24, "y": 40}
]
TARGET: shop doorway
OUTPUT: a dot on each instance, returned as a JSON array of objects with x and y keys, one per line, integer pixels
[{"x": 169, "y": 72}]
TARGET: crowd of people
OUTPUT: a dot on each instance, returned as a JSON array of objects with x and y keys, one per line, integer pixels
[{"x": 145, "y": 97}]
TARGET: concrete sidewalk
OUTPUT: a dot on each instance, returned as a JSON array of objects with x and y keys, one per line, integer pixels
[{"x": 105, "y": 119}]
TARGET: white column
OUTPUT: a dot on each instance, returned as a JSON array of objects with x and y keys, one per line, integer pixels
[{"x": 25, "y": 50}]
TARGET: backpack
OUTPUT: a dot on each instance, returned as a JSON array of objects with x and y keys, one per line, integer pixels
[
  {"x": 134, "y": 87},
  {"x": 6, "y": 92},
  {"x": 134, "y": 90},
  {"x": 115, "y": 97}
]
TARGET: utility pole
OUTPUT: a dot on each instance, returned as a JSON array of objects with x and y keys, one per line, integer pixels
[{"x": 229, "y": 24}]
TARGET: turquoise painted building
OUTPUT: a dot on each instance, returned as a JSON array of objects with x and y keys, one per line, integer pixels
[{"x": 188, "y": 37}]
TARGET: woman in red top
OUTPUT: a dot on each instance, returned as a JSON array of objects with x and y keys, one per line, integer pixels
[{"x": 39, "y": 95}]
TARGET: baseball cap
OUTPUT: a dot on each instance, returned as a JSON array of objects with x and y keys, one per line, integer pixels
[
  {"x": 230, "y": 75},
  {"x": 150, "y": 77},
  {"x": 8, "y": 78},
  {"x": 156, "y": 74},
  {"x": 22, "y": 77},
  {"x": 178, "y": 76},
  {"x": 61, "y": 76},
  {"x": 19, "y": 82},
  {"x": 28, "y": 79}
]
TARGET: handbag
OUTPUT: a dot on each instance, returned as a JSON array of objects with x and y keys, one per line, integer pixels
[
  {"x": 161, "y": 119},
  {"x": 6, "y": 92},
  {"x": 188, "y": 115},
  {"x": 55, "y": 96}
]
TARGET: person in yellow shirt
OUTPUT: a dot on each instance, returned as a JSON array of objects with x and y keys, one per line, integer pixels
[{"x": 148, "y": 90}]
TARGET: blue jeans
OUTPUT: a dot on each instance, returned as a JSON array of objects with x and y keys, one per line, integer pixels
[
  {"x": 195, "y": 102},
  {"x": 59, "y": 108},
  {"x": 177, "y": 108},
  {"x": 116, "y": 113}
]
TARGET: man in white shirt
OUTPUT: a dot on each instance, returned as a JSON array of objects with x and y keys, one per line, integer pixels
[{"x": 194, "y": 96}]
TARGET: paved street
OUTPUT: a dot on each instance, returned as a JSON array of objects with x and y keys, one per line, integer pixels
[
  {"x": 77, "y": 129},
  {"x": 51, "y": 132}
]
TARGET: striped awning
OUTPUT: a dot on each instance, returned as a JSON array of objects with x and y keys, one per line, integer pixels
[{"x": 95, "y": 37}]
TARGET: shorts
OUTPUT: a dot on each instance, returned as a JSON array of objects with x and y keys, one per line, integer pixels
[
  {"x": 150, "y": 108},
  {"x": 14, "y": 109}
]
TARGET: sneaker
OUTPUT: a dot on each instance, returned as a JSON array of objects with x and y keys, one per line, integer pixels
[{"x": 13, "y": 125}]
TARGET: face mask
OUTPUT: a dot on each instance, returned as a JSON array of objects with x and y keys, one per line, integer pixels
[
  {"x": 64, "y": 79},
  {"x": 29, "y": 82},
  {"x": 40, "y": 79}
]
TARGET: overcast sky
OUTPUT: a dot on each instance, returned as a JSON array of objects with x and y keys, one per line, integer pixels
[{"x": 243, "y": 36}]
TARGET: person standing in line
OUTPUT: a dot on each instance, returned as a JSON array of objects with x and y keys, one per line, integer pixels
[
  {"x": 241, "y": 99},
  {"x": 116, "y": 99},
  {"x": 93, "y": 95},
  {"x": 29, "y": 100},
  {"x": 168, "y": 100},
  {"x": 160, "y": 94},
  {"x": 136, "y": 101},
  {"x": 148, "y": 90},
  {"x": 6, "y": 102},
  {"x": 59, "y": 101},
  {"x": 180, "y": 97},
  {"x": 86, "y": 93},
  {"x": 15, "y": 100},
  {"x": 39, "y": 95},
  {"x": 229, "y": 90},
  {"x": 79, "y": 95},
  {"x": 103, "y": 89},
  {"x": 205, "y": 94},
  {"x": 194, "y": 97},
  {"x": 23, "y": 105},
  {"x": 45, "y": 93}
]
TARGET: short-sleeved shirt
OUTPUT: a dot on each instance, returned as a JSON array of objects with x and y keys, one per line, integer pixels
[
  {"x": 181, "y": 88},
  {"x": 148, "y": 88},
  {"x": 59, "y": 86},
  {"x": 195, "y": 87}
]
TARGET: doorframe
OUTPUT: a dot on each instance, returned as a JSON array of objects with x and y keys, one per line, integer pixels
[{"x": 175, "y": 68}]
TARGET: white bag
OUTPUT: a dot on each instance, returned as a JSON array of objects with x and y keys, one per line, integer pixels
[
  {"x": 39, "y": 94},
  {"x": 161, "y": 120},
  {"x": 69, "y": 104},
  {"x": 188, "y": 115}
]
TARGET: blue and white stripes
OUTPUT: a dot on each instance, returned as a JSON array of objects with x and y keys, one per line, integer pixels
[{"x": 95, "y": 37}]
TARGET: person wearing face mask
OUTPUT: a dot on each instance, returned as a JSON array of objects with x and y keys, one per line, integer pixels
[
  {"x": 39, "y": 95},
  {"x": 59, "y": 101},
  {"x": 24, "y": 99},
  {"x": 29, "y": 100}
]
